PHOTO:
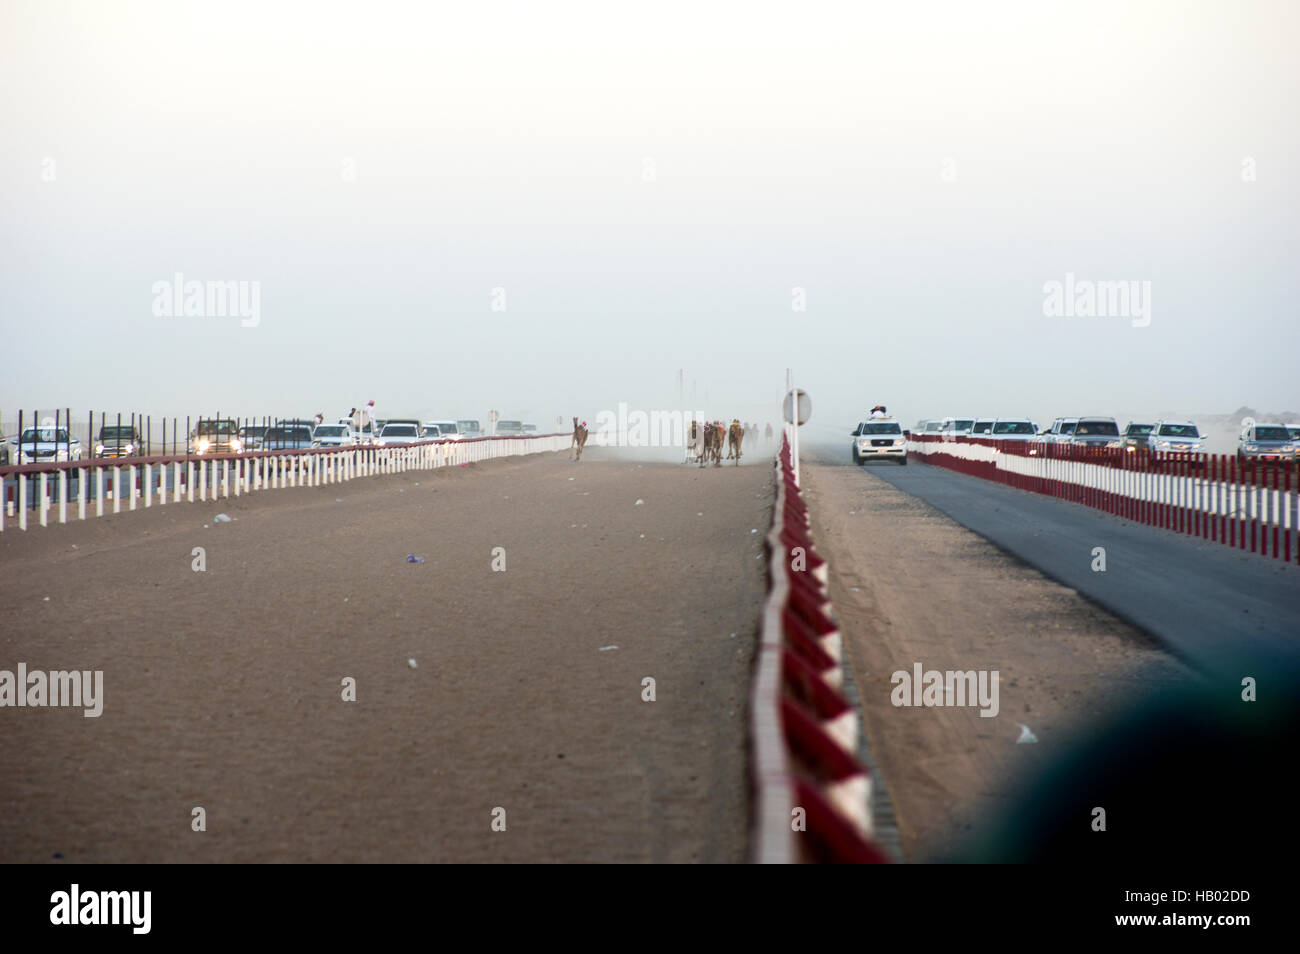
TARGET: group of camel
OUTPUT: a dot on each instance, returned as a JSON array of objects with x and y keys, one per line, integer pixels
[{"x": 705, "y": 439}]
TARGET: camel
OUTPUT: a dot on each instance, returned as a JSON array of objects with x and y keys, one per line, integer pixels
[
  {"x": 713, "y": 432},
  {"x": 735, "y": 435},
  {"x": 579, "y": 439}
]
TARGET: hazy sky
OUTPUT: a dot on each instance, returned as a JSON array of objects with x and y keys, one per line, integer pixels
[{"x": 649, "y": 184}]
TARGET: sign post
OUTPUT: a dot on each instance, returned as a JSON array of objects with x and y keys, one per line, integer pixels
[{"x": 796, "y": 410}]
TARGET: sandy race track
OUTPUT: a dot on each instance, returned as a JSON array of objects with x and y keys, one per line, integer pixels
[
  {"x": 911, "y": 586},
  {"x": 223, "y": 687}
]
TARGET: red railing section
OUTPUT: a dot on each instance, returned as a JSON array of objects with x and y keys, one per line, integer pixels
[
  {"x": 812, "y": 793},
  {"x": 1249, "y": 504}
]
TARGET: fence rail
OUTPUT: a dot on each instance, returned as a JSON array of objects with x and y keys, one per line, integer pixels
[
  {"x": 812, "y": 795},
  {"x": 1250, "y": 504},
  {"x": 84, "y": 487}
]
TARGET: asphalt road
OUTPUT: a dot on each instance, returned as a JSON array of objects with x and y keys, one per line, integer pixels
[{"x": 1213, "y": 606}]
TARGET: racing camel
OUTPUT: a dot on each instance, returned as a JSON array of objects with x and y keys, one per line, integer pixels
[
  {"x": 579, "y": 439},
  {"x": 713, "y": 436},
  {"x": 735, "y": 435}
]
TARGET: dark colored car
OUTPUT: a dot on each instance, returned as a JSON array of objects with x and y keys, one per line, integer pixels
[
  {"x": 1135, "y": 436},
  {"x": 119, "y": 440},
  {"x": 288, "y": 435}
]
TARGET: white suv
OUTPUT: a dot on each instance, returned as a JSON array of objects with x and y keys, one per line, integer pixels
[{"x": 879, "y": 439}]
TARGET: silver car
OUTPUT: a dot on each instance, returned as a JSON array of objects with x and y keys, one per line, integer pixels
[
  {"x": 446, "y": 429},
  {"x": 1061, "y": 431},
  {"x": 957, "y": 426},
  {"x": 1176, "y": 437},
  {"x": 1096, "y": 432},
  {"x": 1019, "y": 429},
  {"x": 333, "y": 435},
  {"x": 39, "y": 445},
  {"x": 1266, "y": 442}
]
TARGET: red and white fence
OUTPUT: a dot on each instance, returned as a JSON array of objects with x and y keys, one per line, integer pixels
[
  {"x": 139, "y": 483},
  {"x": 1249, "y": 505},
  {"x": 812, "y": 795}
]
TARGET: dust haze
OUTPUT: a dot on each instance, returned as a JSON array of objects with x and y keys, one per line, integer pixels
[{"x": 551, "y": 211}]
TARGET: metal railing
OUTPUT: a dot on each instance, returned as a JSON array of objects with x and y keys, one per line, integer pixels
[
  {"x": 67, "y": 490},
  {"x": 812, "y": 795},
  {"x": 1247, "y": 504}
]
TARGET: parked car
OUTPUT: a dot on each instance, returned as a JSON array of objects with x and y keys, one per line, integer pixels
[
  {"x": 509, "y": 428},
  {"x": 879, "y": 440},
  {"x": 446, "y": 429},
  {"x": 116, "y": 440},
  {"x": 1266, "y": 442},
  {"x": 215, "y": 436},
  {"x": 530, "y": 428},
  {"x": 933, "y": 427},
  {"x": 333, "y": 435},
  {"x": 468, "y": 428},
  {"x": 431, "y": 432},
  {"x": 1020, "y": 429},
  {"x": 1176, "y": 437},
  {"x": 1135, "y": 436},
  {"x": 983, "y": 427},
  {"x": 398, "y": 433},
  {"x": 1096, "y": 432},
  {"x": 45, "y": 444}
]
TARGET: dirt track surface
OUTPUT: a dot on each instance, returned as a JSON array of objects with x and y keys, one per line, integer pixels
[
  {"x": 910, "y": 585},
  {"x": 223, "y": 688}
]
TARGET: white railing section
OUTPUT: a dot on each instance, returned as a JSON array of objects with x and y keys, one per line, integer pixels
[{"x": 40, "y": 490}]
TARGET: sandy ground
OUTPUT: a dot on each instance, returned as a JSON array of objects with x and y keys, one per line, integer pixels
[
  {"x": 909, "y": 585},
  {"x": 223, "y": 687}
]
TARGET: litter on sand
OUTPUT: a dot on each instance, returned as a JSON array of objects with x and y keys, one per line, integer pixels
[
  {"x": 1025, "y": 735},
  {"x": 412, "y": 558},
  {"x": 639, "y": 501},
  {"x": 606, "y": 648},
  {"x": 221, "y": 518},
  {"x": 413, "y": 664}
]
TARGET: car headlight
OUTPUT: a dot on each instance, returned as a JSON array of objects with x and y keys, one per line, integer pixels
[
  {"x": 99, "y": 448},
  {"x": 130, "y": 448},
  {"x": 203, "y": 445},
  {"x": 236, "y": 444},
  {"x": 1252, "y": 447}
]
